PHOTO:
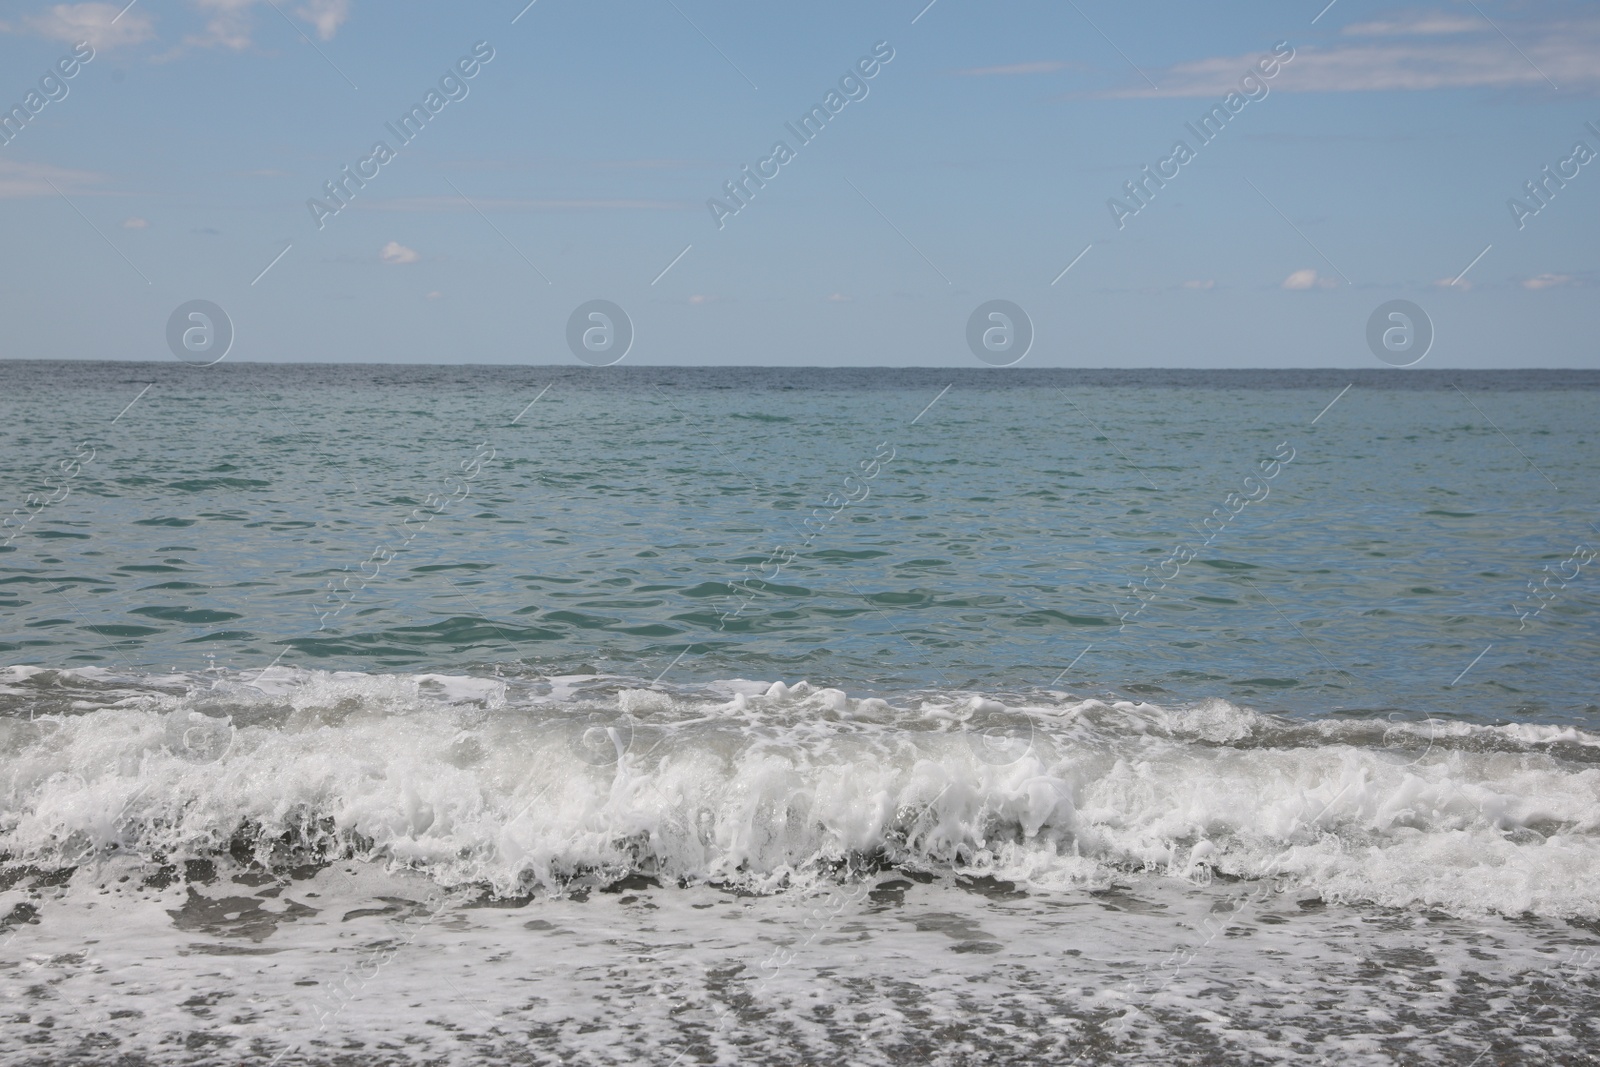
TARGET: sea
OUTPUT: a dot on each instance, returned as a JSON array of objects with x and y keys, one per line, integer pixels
[{"x": 372, "y": 714}]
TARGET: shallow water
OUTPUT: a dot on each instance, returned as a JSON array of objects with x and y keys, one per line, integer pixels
[{"x": 345, "y": 965}]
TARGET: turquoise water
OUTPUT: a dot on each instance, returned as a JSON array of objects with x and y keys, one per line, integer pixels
[{"x": 646, "y": 522}]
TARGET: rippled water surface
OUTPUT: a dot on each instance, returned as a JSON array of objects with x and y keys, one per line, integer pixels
[{"x": 821, "y": 524}]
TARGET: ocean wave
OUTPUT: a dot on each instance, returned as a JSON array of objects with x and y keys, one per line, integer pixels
[{"x": 522, "y": 784}]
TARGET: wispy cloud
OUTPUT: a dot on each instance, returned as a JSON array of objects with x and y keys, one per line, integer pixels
[
  {"x": 19, "y": 180},
  {"x": 96, "y": 23},
  {"x": 227, "y": 23},
  {"x": 1408, "y": 54},
  {"x": 1419, "y": 23},
  {"x": 1547, "y": 281},
  {"x": 326, "y": 15}
]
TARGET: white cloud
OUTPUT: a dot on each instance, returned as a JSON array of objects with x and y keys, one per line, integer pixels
[
  {"x": 1207, "y": 284},
  {"x": 701, "y": 298},
  {"x": 135, "y": 223},
  {"x": 1546, "y": 281},
  {"x": 71, "y": 23},
  {"x": 326, "y": 15},
  {"x": 1309, "y": 279},
  {"x": 395, "y": 252},
  {"x": 1465, "y": 284},
  {"x": 840, "y": 298},
  {"x": 436, "y": 294},
  {"x": 1042, "y": 67},
  {"x": 1441, "y": 52}
]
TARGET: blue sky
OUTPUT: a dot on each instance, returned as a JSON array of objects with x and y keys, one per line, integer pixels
[{"x": 1375, "y": 164}]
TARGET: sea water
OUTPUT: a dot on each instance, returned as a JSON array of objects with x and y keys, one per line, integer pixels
[{"x": 422, "y": 714}]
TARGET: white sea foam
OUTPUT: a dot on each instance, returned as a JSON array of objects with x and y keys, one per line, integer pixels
[{"x": 766, "y": 785}]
